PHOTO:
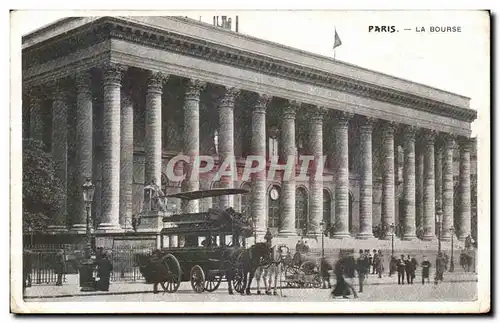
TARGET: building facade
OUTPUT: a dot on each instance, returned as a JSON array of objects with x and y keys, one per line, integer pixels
[{"x": 115, "y": 99}]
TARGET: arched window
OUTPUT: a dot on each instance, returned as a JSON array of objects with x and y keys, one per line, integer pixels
[
  {"x": 327, "y": 209},
  {"x": 301, "y": 209},
  {"x": 246, "y": 201},
  {"x": 273, "y": 213}
]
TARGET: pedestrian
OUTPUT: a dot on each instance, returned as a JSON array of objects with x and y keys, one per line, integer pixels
[
  {"x": 380, "y": 263},
  {"x": 369, "y": 258},
  {"x": 426, "y": 267},
  {"x": 343, "y": 269},
  {"x": 408, "y": 269},
  {"x": 306, "y": 247},
  {"x": 393, "y": 266},
  {"x": 362, "y": 268},
  {"x": 104, "y": 270},
  {"x": 374, "y": 256},
  {"x": 414, "y": 265},
  {"x": 401, "y": 266},
  {"x": 60, "y": 266},
  {"x": 440, "y": 268}
]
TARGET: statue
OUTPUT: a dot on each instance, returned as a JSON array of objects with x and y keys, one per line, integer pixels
[{"x": 154, "y": 198}]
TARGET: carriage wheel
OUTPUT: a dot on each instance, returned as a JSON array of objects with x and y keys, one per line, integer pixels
[
  {"x": 238, "y": 275},
  {"x": 174, "y": 273},
  {"x": 213, "y": 282},
  {"x": 291, "y": 274},
  {"x": 317, "y": 282},
  {"x": 197, "y": 279}
]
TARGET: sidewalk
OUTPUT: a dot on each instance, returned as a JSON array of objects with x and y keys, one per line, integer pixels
[{"x": 71, "y": 288}]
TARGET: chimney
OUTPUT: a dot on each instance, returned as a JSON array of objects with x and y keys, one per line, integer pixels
[{"x": 236, "y": 23}]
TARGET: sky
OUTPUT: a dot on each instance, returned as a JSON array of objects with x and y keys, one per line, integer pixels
[{"x": 456, "y": 62}]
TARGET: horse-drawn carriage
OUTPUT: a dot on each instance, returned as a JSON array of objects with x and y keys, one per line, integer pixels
[{"x": 212, "y": 252}]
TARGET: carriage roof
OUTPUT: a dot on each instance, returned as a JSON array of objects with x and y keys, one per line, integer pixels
[{"x": 196, "y": 195}]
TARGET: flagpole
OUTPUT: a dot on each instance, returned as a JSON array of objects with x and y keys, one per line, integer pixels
[{"x": 335, "y": 33}]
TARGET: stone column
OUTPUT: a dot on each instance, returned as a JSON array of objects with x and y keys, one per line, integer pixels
[
  {"x": 152, "y": 140},
  {"x": 409, "y": 229},
  {"x": 448, "y": 200},
  {"x": 36, "y": 115},
  {"x": 419, "y": 184},
  {"x": 84, "y": 147},
  {"x": 226, "y": 143},
  {"x": 126, "y": 160},
  {"x": 439, "y": 182},
  {"x": 465, "y": 194},
  {"x": 288, "y": 183},
  {"x": 341, "y": 128},
  {"x": 60, "y": 152},
  {"x": 366, "y": 189},
  {"x": 388, "y": 179},
  {"x": 316, "y": 179},
  {"x": 429, "y": 219},
  {"x": 259, "y": 183},
  {"x": 110, "y": 192},
  {"x": 191, "y": 140}
]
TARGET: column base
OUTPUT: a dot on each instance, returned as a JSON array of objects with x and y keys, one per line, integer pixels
[
  {"x": 109, "y": 228},
  {"x": 446, "y": 238},
  {"x": 409, "y": 238},
  {"x": 429, "y": 238},
  {"x": 365, "y": 235},
  {"x": 287, "y": 233},
  {"x": 79, "y": 228},
  {"x": 341, "y": 235}
]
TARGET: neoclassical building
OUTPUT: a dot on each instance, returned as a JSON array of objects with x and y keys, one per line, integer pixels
[{"x": 115, "y": 98}]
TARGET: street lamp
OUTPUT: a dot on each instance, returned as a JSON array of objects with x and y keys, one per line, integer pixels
[
  {"x": 452, "y": 265},
  {"x": 393, "y": 227},
  {"x": 87, "y": 265}
]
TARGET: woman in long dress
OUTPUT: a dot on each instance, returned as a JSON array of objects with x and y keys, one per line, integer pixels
[{"x": 342, "y": 287}]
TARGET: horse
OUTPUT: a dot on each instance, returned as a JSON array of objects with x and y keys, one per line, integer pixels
[
  {"x": 250, "y": 259},
  {"x": 274, "y": 269}
]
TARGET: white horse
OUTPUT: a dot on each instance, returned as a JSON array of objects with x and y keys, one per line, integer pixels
[{"x": 271, "y": 271}]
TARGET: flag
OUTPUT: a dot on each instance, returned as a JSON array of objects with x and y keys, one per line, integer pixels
[{"x": 337, "y": 41}]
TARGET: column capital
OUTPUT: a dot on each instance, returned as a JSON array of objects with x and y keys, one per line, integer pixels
[
  {"x": 389, "y": 127},
  {"x": 409, "y": 133},
  {"x": 125, "y": 99},
  {"x": 316, "y": 115},
  {"x": 193, "y": 89},
  {"x": 83, "y": 82},
  {"x": 34, "y": 94},
  {"x": 113, "y": 73},
  {"x": 262, "y": 102},
  {"x": 367, "y": 123},
  {"x": 56, "y": 91},
  {"x": 230, "y": 97},
  {"x": 343, "y": 118},
  {"x": 290, "y": 110},
  {"x": 464, "y": 144},
  {"x": 156, "y": 81},
  {"x": 429, "y": 137},
  {"x": 450, "y": 141}
]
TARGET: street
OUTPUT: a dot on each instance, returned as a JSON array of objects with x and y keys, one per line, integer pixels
[{"x": 447, "y": 291}]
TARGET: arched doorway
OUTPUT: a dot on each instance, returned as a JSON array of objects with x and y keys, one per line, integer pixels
[{"x": 301, "y": 209}]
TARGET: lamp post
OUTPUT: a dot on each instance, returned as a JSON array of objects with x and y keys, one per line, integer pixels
[
  {"x": 87, "y": 265},
  {"x": 452, "y": 265},
  {"x": 393, "y": 227},
  {"x": 322, "y": 226}
]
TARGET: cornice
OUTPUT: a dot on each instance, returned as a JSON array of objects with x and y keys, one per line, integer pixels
[{"x": 116, "y": 28}]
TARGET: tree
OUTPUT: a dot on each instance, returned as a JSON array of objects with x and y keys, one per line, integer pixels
[{"x": 42, "y": 190}]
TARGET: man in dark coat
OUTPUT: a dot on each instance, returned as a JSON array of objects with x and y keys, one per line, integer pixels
[
  {"x": 344, "y": 268},
  {"x": 426, "y": 267},
  {"x": 401, "y": 266},
  {"x": 374, "y": 261},
  {"x": 325, "y": 275},
  {"x": 414, "y": 265},
  {"x": 408, "y": 269},
  {"x": 104, "y": 270},
  {"x": 60, "y": 266}
]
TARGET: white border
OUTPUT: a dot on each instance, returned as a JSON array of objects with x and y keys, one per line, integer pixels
[{"x": 246, "y": 307}]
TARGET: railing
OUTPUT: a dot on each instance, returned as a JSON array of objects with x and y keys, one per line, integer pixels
[
  {"x": 43, "y": 259},
  {"x": 125, "y": 266}
]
